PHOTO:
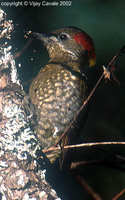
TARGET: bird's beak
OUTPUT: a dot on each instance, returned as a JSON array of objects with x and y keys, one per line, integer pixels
[{"x": 44, "y": 38}]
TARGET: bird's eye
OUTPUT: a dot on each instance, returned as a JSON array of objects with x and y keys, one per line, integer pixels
[{"x": 63, "y": 37}]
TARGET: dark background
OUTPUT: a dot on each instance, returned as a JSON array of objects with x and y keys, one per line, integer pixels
[{"x": 104, "y": 21}]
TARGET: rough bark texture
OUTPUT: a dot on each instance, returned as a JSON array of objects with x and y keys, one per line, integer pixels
[{"x": 22, "y": 163}]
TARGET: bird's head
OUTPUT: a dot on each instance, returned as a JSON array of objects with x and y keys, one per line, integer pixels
[{"x": 69, "y": 45}]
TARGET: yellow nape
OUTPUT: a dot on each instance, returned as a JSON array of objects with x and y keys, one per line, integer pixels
[{"x": 92, "y": 62}]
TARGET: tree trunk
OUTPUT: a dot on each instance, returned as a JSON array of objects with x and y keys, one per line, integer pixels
[{"x": 22, "y": 163}]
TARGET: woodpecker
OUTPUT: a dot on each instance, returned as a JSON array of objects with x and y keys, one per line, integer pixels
[{"x": 60, "y": 88}]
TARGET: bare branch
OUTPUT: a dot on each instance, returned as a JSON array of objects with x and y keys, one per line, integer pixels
[
  {"x": 122, "y": 50},
  {"x": 119, "y": 195},
  {"x": 88, "y": 189},
  {"x": 84, "y": 145}
]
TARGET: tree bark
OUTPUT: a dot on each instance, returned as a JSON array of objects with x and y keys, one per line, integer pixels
[{"x": 22, "y": 163}]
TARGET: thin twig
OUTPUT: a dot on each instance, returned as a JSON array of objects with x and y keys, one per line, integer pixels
[
  {"x": 88, "y": 189},
  {"x": 104, "y": 162},
  {"x": 119, "y": 194},
  {"x": 18, "y": 54},
  {"x": 75, "y": 165},
  {"x": 84, "y": 145},
  {"x": 122, "y": 50}
]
